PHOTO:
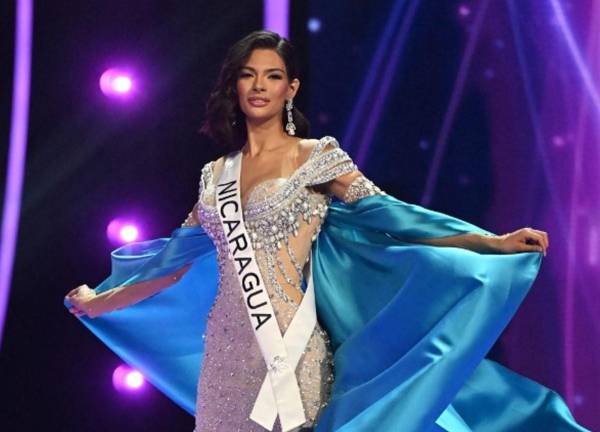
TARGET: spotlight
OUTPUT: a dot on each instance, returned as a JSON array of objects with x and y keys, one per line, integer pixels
[
  {"x": 116, "y": 82},
  {"x": 134, "y": 379},
  {"x": 121, "y": 231},
  {"x": 121, "y": 84},
  {"x": 126, "y": 379},
  {"x": 128, "y": 233}
]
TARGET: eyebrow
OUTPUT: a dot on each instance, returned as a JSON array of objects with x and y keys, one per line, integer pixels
[{"x": 266, "y": 70}]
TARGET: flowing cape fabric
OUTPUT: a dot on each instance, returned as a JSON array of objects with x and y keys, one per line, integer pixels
[{"x": 410, "y": 323}]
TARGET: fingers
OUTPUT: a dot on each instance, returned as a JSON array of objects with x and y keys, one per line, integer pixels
[
  {"x": 81, "y": 291},
  {"x": 544, "y": 239},
  {"x": 76, "y": 312},
  {"x": 76, "y": 291},
  {"x": 536, "y": 236},
  {"x": 523, "y": 247},
  {"x": 78, "y": 297},
  {"x": 545, "y": 236},
  {"x": 527, "y": 240}
]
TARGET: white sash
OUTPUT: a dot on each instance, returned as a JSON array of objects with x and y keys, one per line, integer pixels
[{"x": 281, "y": 354}]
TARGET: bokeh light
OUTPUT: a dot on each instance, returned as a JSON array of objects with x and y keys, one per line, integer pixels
[
  {"x": 122, "y": 230},
  {"x": 464, "y": 10},
  {"x": 128, "y": 233},
  {"x": 116, "y": 82},
  {"x": 134, "y": 379},
  {"x": 313, "y": 25},
  {"x": 126, "y": 379}
]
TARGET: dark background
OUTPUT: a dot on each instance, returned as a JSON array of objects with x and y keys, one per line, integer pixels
[{"x": 91, "y": 159}]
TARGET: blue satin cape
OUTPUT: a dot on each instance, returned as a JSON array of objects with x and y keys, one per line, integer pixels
[{"x": 410, "y": 323}]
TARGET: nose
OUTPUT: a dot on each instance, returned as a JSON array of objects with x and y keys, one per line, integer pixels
[{"x": 258, "y": 85}]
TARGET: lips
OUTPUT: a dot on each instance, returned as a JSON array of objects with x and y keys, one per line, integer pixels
[{"x": 258, "y": 101}]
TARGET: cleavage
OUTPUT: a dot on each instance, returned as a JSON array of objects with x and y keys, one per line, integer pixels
[{"x": 262, "y": 190}]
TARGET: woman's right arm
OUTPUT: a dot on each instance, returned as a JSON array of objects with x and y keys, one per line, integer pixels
[{"x": 85, "y": 301}]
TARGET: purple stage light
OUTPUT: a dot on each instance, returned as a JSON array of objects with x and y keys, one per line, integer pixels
[
  {"x": 464, "y": 10},
  {"x": 126, "y": 379},
  {"x": 558, "y": 141},
  {"x": 121, "y": 231},
  {"x": 134, "y": 379},
  {"x": 121, "y": 84},
  {"x": 276, "y": 16},
  {"x": 459, "y": 87},
  {"x": 15, "y": 171},
  {"x": 116, "y": 82},
  {"x": 594, "y": 250},
  {"x": 128, "y": 233}
]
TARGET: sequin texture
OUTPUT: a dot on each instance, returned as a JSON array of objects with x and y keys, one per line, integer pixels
[
  {"x": 282, "y": 216},
  {"x": 360, "y": 188}
]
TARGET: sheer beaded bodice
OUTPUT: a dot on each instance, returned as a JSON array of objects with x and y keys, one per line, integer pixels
[{"x": 282, "y": 216}]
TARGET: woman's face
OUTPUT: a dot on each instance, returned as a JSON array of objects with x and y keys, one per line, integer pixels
[{"x": 263, "y": 86}]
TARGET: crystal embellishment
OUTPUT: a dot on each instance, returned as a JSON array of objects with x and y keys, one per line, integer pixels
[
  {"x": 359, "y": 188},
  {"x": 282, "y": 216},
  {"x": 277, "y": 365}
]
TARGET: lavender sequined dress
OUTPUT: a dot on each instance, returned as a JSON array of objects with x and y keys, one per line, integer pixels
[{"x": 283, "y": 217}]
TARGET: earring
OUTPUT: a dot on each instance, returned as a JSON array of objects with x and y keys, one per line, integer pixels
[{"x": 290, "y": 127}]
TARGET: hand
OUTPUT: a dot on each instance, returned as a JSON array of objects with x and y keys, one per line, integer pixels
[
  {"x": 80, "y": 299},
  {"x": 523, "y": 240}
]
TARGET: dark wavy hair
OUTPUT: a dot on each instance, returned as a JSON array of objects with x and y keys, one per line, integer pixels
[{"x": 224, "y": 120}]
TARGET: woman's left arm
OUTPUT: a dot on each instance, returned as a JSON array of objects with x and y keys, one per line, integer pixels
[
  {"x": 353, "y": 186},
  {"x": 522, "y": 240}
]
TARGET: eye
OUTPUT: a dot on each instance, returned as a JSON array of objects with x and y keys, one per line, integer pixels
[
  {"x": 244, "y": 75},
  {"x": 275, "y": 77}
]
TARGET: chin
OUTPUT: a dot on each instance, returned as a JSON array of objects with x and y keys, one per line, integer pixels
[{"x": 259, "y": 117}]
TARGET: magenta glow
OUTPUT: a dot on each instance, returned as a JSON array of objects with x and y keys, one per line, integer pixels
[
  {"x": 116, "y": 82},
  {"x": 126, "y": 379},
  {"x": 121, "y": 231}
]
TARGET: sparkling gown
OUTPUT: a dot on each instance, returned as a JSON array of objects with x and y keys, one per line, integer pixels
[
  {"x": 409, "y": 324},
  {"x": 283, "y": 217}
]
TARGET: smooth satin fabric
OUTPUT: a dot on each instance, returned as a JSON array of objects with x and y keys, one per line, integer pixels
[
  {"x": 162, "y": 336},
  {"x": 410, "y": 323}
]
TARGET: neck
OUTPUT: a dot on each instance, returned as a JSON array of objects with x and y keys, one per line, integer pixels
[{"x": 264, "y": 137}]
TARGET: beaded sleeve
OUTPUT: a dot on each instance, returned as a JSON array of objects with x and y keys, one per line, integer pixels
[
  {"x": 191, "y": 219},
  {"x": 332, "y": 162},
  {"x": 328, "y": 161},
  {"x": 359, "y": 188}
]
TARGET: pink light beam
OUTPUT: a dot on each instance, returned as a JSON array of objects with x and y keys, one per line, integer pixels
[{"x": 17, "y": 149}]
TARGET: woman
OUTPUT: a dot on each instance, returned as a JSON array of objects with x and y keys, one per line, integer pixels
[{"x": 266, "y": 362}]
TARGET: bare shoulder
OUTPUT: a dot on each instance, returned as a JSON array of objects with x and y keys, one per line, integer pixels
[
  {"x": 307, "y": 144},
  {"x": 326, "y": 143},
  {"x": 305, "y": 148}
]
